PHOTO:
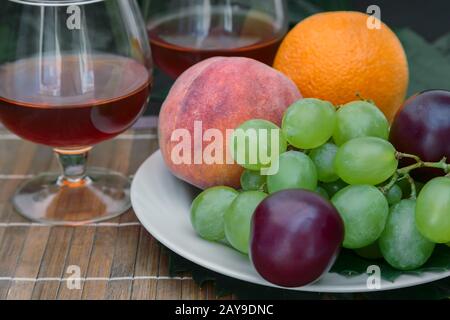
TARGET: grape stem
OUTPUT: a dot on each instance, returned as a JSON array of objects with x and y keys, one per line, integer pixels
[
  {"x": 404, "y": 173},
  {"x": 396, "y": 178},
  {"x": 413, "y": 195},
  {"x": 263, "y": 187},
  {"x": 385, "y": 189},
  {"x": 421, "y": 164}
]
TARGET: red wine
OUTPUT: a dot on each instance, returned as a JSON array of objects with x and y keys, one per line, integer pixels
[
  {"x": 71, "y": 102},
  {"x": 251, "y": 35}
]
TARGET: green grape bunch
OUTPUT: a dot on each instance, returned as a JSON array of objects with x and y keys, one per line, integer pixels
[{"x": 343, "y": 154}]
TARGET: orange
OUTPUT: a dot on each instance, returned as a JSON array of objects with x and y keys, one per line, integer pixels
[{"x": 335, "y": 56}]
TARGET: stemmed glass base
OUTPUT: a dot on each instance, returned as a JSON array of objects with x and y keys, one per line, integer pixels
[{"x": 77, "y": 197}]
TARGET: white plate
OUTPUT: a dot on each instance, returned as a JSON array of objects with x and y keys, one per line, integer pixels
[{"x": 162, "y": 204}]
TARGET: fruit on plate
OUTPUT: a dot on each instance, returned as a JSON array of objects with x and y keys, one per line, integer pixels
[
  {"x": 360, "y": 119},
  {"x": 367, "y": 160},
  {"x": 218, "y": 93},
  {"x": 364, "y": 210},
  {"x": 349, "y": 59},
  {"x": 238, "y": 219},
  {"x": 433, "y": 210},
  {"x": 323, "y": 158},
  {"x": 422, "y": 128},
  {"x": 256, "y": 154},
  {"x": 295, "y": 237},
  {"x": 296, "y": 170},
  {"x": 309, "y": 123},
  {"x": 371, "y": 252},
  {"x": 207, "y": 212},
  {"x": 401, "y": 244}
]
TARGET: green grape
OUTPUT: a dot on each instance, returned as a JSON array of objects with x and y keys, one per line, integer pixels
[
  {"x": 238, "y": 219},
  {"x": 321, "y": 191},
  {"x": 401, "y": 243},
  {"x": 207, "y": 212},
  {"x": 433, "y": 210},
  {"x": 366, "y": 160},
  {"x": 448, "y": 244},
  {"x": 372, "y": 251},
  {"x": 364, "y": 210},
  {"x": 360, "y": 119},
  {"x": 253, "y": 181},
  {"x": 296, "y": 171},
  {"x": 323, "y": 158},
  {"x": 250, "y": 150},
  {"x": 309, "y": 123},
  {"x": 333, "y": 187},
  {"x": 394, "y": 195}
]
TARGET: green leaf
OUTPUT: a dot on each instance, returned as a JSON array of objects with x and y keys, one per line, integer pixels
[
  {"x": 443, "y": 45},
  {"x": 335, "y": 5},
  {"x": 348, "y": 264},
  {"x": 429, "y": 68},
  {"x": 301, "y": 9}
]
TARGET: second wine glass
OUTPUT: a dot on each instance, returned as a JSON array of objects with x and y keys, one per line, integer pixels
[{"x": 184, "y": 32}]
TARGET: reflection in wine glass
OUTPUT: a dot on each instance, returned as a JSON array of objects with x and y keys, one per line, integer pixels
[
  {"x": 71, "y": 88},
  {"x": 184, "y": 32}
]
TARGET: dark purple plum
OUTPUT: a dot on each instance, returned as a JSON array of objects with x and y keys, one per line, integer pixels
[
  {"x": 295, "y": 237},
  {"x": 422, "y": 128}
]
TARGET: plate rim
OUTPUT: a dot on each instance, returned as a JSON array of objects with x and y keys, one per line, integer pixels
[{"x": 425, "y": 277}]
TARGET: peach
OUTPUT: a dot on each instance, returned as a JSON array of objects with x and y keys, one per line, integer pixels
[{"x": 220, "y": 93}]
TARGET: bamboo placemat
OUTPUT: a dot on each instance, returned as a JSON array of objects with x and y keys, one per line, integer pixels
[{"x": 118, "y": 259}]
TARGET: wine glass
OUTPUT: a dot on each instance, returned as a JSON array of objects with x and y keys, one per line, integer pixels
[
  {"x": 184, "y": 32},
  {"x": 73, "y": 74}
]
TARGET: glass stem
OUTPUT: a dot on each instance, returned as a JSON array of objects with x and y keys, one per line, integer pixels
[{"x": 74, "y": 165}]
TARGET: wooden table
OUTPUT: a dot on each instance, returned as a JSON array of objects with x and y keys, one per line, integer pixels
[{"x": 118, "y": 259}]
